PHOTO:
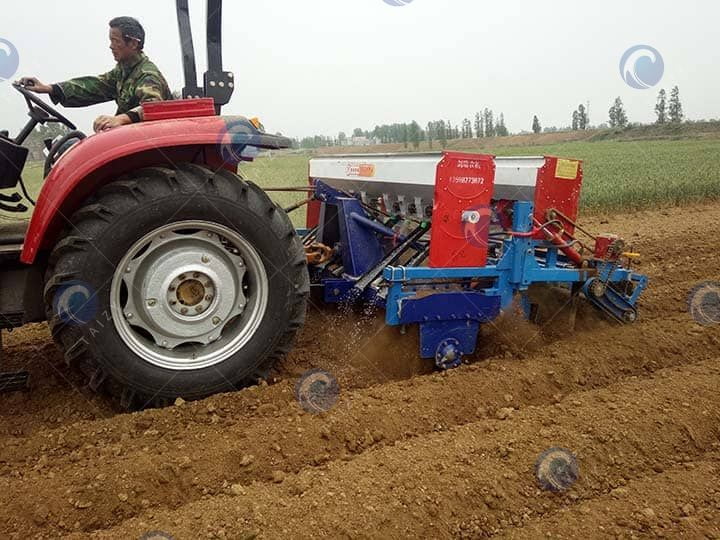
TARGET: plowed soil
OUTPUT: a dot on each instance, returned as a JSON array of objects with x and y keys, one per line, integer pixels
[{"x": 406, "y": 451}]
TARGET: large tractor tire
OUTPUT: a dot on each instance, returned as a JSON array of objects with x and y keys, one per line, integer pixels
[{"x": 176, "y": 283}]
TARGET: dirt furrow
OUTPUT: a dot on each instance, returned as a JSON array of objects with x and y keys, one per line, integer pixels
[
  {"x": 683, "y": 501},
  {"x": 166, "y": 458},
  {"x": 67, "y": 462},
  {"x": 474, "y": 480}
]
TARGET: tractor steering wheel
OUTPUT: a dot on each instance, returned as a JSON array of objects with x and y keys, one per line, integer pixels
[{"x": 40, "y": 110}]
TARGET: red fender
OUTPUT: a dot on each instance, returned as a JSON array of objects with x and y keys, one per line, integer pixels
[{"x": 211, "y": 140}]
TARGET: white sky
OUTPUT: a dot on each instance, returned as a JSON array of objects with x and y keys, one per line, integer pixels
[{"x": 322, "y": 66}]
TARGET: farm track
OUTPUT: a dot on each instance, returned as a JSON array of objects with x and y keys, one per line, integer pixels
[{"x": 405, "y": 451}]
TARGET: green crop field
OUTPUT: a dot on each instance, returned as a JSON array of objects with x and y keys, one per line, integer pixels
[
  {"x": 619, "y": 175},
  {"x": 640, "y": 174}
]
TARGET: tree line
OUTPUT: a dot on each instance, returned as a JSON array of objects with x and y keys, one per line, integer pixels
[
  {"x": 665, "y": 111},
  {"x": 482, "y": 124},
  {"x": 485, "y": 124}
]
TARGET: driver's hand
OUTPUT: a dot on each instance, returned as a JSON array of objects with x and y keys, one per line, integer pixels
[
  {"x": 104, "y": 122},
  {"x": 34, "y": 85}
]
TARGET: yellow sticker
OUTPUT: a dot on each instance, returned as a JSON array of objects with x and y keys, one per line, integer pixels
[{"x": 567, "y": 169}]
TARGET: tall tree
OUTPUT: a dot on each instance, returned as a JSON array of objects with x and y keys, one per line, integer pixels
[
  {"x": 489, "y": 123},
  {"x": 536, "y": 125},
  {"x": 478, "y": 126},
  {"x": 442, "y": 133},
  {"x": 575, "y": 120},
  {"x": 467, "y": 129},
  {"x": 661, "y": 107},
  {"x": 582, "y": 117},
  {"x": 358, "y": 132},
  {"x": 430, "y": 133},
  {"x": 616, "y": 114},
  {"x": 342, "y": 138},
  {"x": 501, "y": 129},
  {"x": 675, "y": 110},
  {"x": 414, "y": 133}
]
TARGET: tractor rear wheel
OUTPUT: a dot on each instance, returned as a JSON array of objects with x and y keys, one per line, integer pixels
[{"x": 177, "y": 283}]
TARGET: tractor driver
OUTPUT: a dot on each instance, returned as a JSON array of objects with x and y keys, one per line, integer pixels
[{"x": 133, "y": 81}]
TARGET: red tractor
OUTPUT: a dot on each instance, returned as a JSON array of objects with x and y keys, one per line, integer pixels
[{"x": 161, "y": 272}]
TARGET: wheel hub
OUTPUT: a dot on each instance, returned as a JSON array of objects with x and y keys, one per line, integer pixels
[{"x": 189, "y": 294}]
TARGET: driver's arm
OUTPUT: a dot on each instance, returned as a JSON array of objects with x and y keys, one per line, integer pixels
[{"x": 84, "y": 91}]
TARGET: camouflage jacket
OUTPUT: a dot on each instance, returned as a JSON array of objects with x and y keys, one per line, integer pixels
[{"x": 128, "y": 84}]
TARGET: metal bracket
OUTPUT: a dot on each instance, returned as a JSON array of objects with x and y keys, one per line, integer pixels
[{"x": 218, "y": 84}]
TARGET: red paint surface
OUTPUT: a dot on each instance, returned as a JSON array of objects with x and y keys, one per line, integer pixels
[
  {"x": 179, "y": 108},
  {"x": 602, "y": 246},
  {"x": 464, "y": 182},
  {"x": 105, "y": 156},
  {"x": 559, "y": 193}
]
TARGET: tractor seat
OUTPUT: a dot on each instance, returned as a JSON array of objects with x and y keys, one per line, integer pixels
[{"x": 12, "y": 232}]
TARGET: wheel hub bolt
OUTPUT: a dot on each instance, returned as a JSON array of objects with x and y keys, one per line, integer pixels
[
  {"x": 184, "y": 311},
  {"x": 209, "y": 298},
  {"x": 199, "y": 309},
  {"x": 205, "y": 259},
  {"x": 216, "y": 320},
  {"x": 151, "y": 302}
]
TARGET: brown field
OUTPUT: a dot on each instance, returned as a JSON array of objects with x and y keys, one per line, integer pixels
[{"x": 406, "y": 452}]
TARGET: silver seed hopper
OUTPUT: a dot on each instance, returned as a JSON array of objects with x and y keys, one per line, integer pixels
[{"x": 406, "y": 182}]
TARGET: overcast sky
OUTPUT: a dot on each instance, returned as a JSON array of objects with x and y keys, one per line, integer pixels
[{"x": 322, "y": 66}]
